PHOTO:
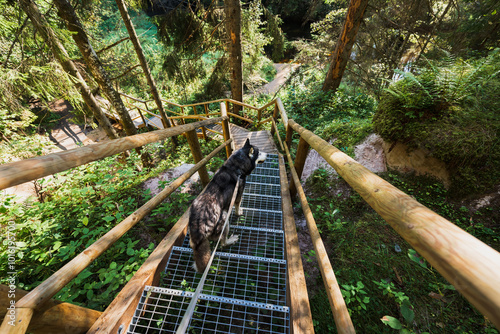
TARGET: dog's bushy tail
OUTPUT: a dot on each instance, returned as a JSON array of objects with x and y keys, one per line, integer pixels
[{"x": 201, "y": 254}]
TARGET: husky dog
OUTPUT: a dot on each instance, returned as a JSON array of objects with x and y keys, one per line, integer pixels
[{"x": 209, "y": 211}]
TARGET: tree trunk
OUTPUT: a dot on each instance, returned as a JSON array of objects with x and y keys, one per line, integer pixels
[
  {"x": 67, "y": 13},
  {"x": 62, "y": 56},
  {"x": 138, "y": 49},
  {"x": 434, "y": 29},
  {"x": 344, "y": 45},
  {"x": 232, "y": 9}
]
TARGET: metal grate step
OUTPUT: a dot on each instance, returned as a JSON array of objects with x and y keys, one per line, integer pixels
[
  {"x": 258, "y": 202},
  {"x": 254, "y": 242},
  {"x": 160, "y": 310},
  {"x": 258, "y": 219},
  {"x": 262, "y": 189},
  {"x": 263, "y": 179},
  {"x": 245, "y": 290},
  {"x": 250, "y": 278}
]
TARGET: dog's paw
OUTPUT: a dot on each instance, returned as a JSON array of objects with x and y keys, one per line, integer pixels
[
  {"x": 239, "y": 211},
  {"x": 231, "y": 240}
]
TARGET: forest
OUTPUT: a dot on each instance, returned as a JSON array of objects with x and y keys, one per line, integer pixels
[{"x": 423, "y": 74}]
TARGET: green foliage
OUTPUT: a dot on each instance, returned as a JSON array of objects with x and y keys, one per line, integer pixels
[
  {"x": 344, "y": 116},
  {"x": 46, "y": 82},
  {"x": 24, "y": 147},
  {"x": 79, "y": 206},
  {"x": 451, "y": 110},
  {"x": 355, "y": 297},
  {"x": 363, "y": 248}
]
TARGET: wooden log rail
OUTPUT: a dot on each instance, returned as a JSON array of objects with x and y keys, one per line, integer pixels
[
  {"x": 26, "y": 307},
  {"x": 276, "y": 103},
  {"x": 464, "y": 261},
  {"x": 341, "y": 315},
  {"x": 18, "y": 172}
]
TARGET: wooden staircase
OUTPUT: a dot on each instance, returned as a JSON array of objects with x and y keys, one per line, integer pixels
[{"x": 246, "y": 288}]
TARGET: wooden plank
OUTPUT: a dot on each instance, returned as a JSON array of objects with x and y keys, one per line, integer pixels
[
  {"x": 300, "y": 311},
  {"x": 156, "y": 122},
  {"x": 23, "y": 318},
  {"x": 18, "y": 172},
  {"x": 53, "y": 317},
  {"x": 464, "y": 261},
  {"x": 340, "y": 313}
]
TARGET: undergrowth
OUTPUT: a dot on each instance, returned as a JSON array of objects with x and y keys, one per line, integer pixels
[
  {"x": 382, "y": 279},
  {"x": 343, "y": 117},
  {"x": 451, "y": 110},
  {"x": 77, "y": 207}
]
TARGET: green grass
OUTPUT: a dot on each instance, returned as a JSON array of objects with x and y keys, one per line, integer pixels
[{"x": 365, "y": 251}]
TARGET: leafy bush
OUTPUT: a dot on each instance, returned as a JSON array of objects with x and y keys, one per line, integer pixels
[
  {"x": 451, "y": 110},
  {"x": 344, "y": 116},
  {"x": 79, "y": 206}
]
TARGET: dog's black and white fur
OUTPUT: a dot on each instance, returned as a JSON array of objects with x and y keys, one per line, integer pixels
[{"x": 209, "y": 211}]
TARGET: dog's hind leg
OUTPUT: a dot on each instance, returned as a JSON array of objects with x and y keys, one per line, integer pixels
[
  {"x": 225, "y": 240},
  {"x": 237, "y": 209},
  {"x": 201, "y": 254}
]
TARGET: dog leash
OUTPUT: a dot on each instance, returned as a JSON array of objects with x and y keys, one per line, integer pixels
[{"x": 194, "y": 300}]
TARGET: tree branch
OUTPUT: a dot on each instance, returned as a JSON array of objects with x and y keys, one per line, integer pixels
[{"x": 125, "y": 73}]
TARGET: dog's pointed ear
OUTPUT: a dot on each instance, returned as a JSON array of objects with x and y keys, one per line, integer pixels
[{"x": 247, "y": 143}]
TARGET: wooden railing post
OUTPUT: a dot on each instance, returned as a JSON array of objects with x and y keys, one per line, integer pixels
[
  {"x": 300, "y": 160},
  {"x": 207, "y": 138},
  {"x": 275, "y": 117},
  {"x": 194, "y": 144},
  {"x": 225, "y": 128},
  {"x": 142, "y": 116}
]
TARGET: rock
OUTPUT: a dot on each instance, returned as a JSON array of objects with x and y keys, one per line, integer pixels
[
  {"x": 401, "y": 158},
  {"x": 315, "y": 161},
  {"x": 370, "y": 153}
]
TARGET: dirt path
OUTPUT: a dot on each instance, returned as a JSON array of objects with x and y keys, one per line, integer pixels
[
  {"x": 283, "y": 71},
  {"x": 65, "y": 135}
]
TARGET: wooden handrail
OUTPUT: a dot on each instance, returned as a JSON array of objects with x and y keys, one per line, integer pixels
[
  {"x": 134, "y": 98},
  {"x": 18, "y": 172},
  {"x": 284, "y": 116},
  {"x": 341, "y": 315},
  {"x": 265, "y": 106},
  {"x": 300, "y": 309},
  {"x": 48, "y": 288},
  {"x": 464, "y": 261},
  {"x": 240, "y": 117}
]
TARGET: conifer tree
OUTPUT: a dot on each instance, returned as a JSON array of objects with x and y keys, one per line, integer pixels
[
  {"x": 67, "y": 13},
  {"x": 62, "y": 56},
  {"x": 344, "y": 44}
]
